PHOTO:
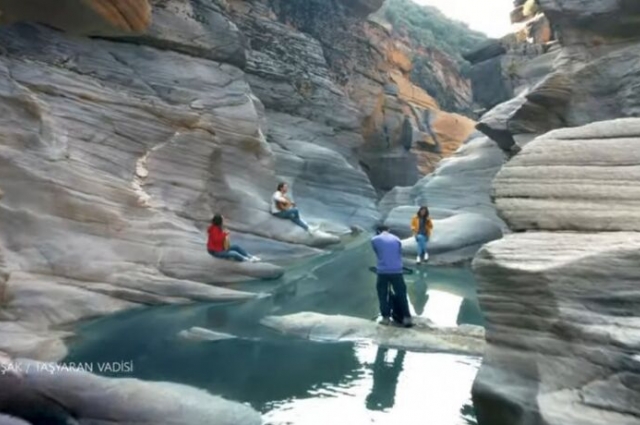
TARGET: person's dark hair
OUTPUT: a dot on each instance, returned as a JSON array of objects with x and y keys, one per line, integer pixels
[
  {"x": 217, "y": 220},
  {"x": 426, "y": 209},
  {"x": 382, "y": 228},
  {"x": 281, "y": 185}
]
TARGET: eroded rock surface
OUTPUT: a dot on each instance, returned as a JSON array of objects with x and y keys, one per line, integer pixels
[
  {"x": 61, "y": 394},
  {"x": 562, "y": 329},
  {"x": 465, "y": 339},
  {"x": 116, "y": 151},
  {"x": 582, "y": 179},
  {"x": 108, "y": 219}
]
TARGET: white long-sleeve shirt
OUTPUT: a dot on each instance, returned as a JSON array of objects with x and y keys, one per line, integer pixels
[{"x": 277, "y": 197}]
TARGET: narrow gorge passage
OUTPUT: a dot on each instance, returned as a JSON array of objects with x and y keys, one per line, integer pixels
[
  {"x": 296, "y": 381},
  {"x": 127, "y": 125}
]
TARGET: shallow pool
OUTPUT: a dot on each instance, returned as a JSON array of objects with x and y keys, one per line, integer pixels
[{"x": 300, "y": 382}]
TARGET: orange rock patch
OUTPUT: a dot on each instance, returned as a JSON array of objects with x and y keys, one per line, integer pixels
[
  {"x": 125, "y": 15},
  {"x": 411, "y": 93}
]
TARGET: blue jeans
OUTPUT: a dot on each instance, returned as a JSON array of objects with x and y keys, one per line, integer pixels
[
  {"x": 422, "y": 240},
  {"x": 294, "y": 215},
  {"x": 234, "y": 253},
  {"x": 396, "y": 281}
]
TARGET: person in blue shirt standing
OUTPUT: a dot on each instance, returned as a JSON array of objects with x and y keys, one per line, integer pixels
[{"x": 388, "y": 249}]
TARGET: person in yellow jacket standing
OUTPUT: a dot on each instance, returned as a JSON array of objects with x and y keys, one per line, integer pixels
[{"x": 422, "y": 226}]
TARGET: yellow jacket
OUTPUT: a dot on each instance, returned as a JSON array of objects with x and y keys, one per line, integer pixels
[{"x": 415, "y": 225}]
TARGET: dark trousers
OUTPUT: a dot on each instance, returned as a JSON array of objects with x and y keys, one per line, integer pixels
[{"x": 396, "y": 282}]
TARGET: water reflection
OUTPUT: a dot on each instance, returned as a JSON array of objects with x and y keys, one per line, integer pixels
[
  {"x": 385, "y": 380},
  {"x": 418, "y": 291},
  {"x": 392, "y": 387},
  {"x": 433, "y": 294}
]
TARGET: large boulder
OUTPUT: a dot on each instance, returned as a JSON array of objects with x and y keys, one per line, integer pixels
[
  {"x": 562, "y": 329},
  {"x": 582, "y": 179}
]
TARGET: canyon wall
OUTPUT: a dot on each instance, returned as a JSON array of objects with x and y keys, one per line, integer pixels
[
  {"x": 123, "y": 134},
  {"x": 560, "y": 296}
]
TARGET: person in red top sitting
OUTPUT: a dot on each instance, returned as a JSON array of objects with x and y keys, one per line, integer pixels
[{"x": 219, "y": 245}]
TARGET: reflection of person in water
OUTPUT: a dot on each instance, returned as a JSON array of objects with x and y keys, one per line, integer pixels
[
  {"x": 217, "y": 317},
  {"x": 470, "y": 313},
  {"x": 284, "y": 293},
  {"x": 385, "y": 381},
  {"x": 418, "y": 291}
]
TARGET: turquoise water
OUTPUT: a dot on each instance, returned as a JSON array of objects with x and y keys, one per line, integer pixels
[{"x": 293, "y": 381}]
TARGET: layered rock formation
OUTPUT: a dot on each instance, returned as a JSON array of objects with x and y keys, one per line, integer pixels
[
  {"x": 562, "y": 332},
  {"x": 580, "y": 179},
  {"x": 99, "y": 212},
  {"x": 561, "y": 299},
  {"x": 592, "y": 77},
  {"x": 115, "y": 152},
  {"x": 91, "y": 17},
  {"x": 354, "y": 76}
]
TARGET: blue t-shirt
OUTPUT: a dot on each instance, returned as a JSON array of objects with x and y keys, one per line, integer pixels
[{"x": 388, "y": 249}]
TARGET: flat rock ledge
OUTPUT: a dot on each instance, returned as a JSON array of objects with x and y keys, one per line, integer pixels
[{"x": 421, "y": 338}]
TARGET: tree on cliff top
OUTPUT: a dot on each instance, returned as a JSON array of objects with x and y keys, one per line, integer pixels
[{"x": 430, "y": 28}]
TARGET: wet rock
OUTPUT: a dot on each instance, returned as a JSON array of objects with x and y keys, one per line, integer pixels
[
  {"x": 55, "y": 395},
  {"x": 202, "y": 334},
  {"x": 562, "y": 314},
  {"x": 319, "y": 327},
  {"x": 569, "y": 179}
]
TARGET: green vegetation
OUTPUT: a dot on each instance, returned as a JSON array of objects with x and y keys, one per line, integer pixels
[{"x": 430, "y": 28}]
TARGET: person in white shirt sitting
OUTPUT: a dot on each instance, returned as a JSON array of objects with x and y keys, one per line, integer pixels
[{"x": 283, "y": 207}]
